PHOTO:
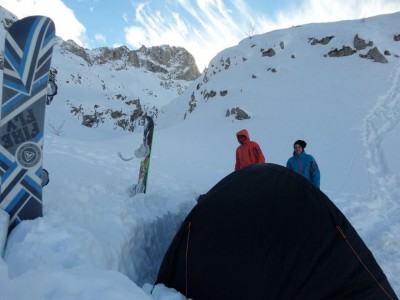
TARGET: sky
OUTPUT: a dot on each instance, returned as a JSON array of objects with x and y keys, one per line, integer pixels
[
  {"x": 203, "y": 27},
  {"x": 95, "y": 242}
]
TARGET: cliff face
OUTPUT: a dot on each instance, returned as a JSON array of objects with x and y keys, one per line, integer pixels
[{"x": 164, "y": 59}]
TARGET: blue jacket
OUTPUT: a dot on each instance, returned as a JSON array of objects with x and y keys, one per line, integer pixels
[{"x": 305, "y": 165}]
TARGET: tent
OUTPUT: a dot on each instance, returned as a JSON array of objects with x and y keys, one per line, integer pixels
[{"x": 265, "y": 232}]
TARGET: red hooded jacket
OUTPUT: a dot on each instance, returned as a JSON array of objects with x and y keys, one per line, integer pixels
[{"x": 248, "y": 153}]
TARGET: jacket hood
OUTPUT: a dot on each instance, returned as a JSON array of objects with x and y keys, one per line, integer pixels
[{"x": 243, "y": 132}]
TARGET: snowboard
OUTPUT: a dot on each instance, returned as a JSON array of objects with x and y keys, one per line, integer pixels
[
  {"x": 145, "y": 149},
  {"x": 27, "y": 58}
]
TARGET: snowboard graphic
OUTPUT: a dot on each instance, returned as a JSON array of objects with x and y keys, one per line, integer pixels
[
  {"x": 145, "y": 149},
  {"x": 27, "y": 58}
]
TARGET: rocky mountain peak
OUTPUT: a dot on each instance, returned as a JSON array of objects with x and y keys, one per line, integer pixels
[{"x": 164, "y": 59}]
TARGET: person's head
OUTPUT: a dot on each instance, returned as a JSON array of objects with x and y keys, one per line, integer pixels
[
  {"x": 242, "y": 136},
  {"x": 299, "y": 146}
]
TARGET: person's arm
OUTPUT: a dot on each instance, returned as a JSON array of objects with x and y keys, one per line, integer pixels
[
  {"x": 289, "y": 165},
  {"x": 258, "y": 153},
  {"x": 237, "y": 164},
  {"x": 315, "y": 173}
]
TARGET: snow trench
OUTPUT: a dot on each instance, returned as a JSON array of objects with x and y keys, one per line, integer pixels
[{"x": 151, "y": 239}]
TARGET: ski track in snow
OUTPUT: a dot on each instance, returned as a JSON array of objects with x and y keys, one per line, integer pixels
[{"x": 382, "y": 120}]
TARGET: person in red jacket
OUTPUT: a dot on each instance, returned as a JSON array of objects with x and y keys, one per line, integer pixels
[{"x": 249, "y": 152}]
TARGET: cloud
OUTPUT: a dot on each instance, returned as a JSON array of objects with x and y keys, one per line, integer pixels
[
  {"x": 206, "y": 27},
  {"x": 67, "y": 25},
  {"x": 100, "y": 38},
  {"x": 125, "y": 17},
  {"x": 203, "y": 29},
  {"x": 315, "y": 11}
]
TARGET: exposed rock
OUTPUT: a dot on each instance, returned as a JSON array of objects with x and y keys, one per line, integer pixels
[
  {"x": 192, "y": 103},
  {"x": 120, "y": 97},
  {"x": 106, "y": 55},
  {"x": 282, "y": 45},
  {"x": 227, "y": 63},
  {"x": 75, "y": 78},
  {"x": 210, "y": 94},
  {"x": 375, "y": 55},
  {"x": 396, "y": 38},
  {"x": 76, "y": 110},
  {"x": 205, "y": 77},
  {"x": 239, "y": 113},
  {"x": 345, "y": 51},
  {"x": 136, "y": 115},
  {"x": 116, "y": 114},
  {"x": 223, "y": 93},
  {"x": 323, "y": 41},
  {"x": 153, "y": 67},
  {"x": 270, "y": 52},
  {"x": 158, "y": 59},
  {"x": 360, "y": 43},
  {"x": 74, "y": 48},
  {"x": 93, "y": 117},
  {"x": 90, "y": 121},
  {"x": 170, "y": 57},
  {"x": 7, "y": 23},
  {"x": 8, "y": 19}
]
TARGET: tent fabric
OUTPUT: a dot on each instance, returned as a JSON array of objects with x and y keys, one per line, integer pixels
[{"x": 265, "y": 232}]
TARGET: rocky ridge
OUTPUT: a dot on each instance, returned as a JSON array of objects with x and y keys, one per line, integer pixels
[{"x": 163, "y": 59}]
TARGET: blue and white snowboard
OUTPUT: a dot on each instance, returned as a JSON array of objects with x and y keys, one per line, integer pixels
[{"x": 27, "y": 59}]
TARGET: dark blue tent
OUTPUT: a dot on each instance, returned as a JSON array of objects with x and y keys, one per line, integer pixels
[{"x": 264, "y": 232}]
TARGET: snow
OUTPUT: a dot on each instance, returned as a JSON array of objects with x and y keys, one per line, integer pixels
[{"x": 95, "y": 242}]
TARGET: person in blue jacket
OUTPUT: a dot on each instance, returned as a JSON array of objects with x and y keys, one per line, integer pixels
[{"x": 304, "y": 163}]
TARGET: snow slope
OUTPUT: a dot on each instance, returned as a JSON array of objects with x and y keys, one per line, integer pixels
[{"x": 94, "y": 242}]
